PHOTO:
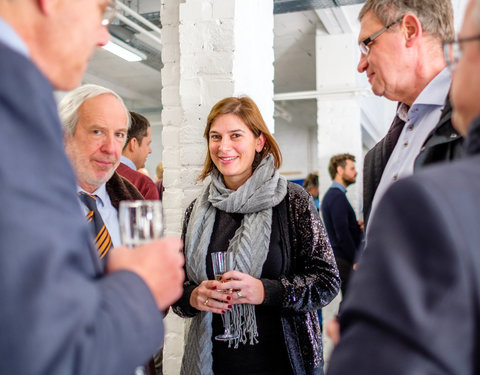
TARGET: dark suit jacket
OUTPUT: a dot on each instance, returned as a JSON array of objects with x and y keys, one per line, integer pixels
[
  {"x": 413, "y": 304},
  {"x": 443, "y": 144},
  {"x": 59, "y": 314},
  {"x": 341, "y": 223},
  {"x": 144, "y": 184}
]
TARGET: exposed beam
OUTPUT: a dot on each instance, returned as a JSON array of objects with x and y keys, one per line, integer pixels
[
  {"x": 330, "y": 94},
  {"x": 334, "y": 20},
  {"x": 290, "y": 6}
]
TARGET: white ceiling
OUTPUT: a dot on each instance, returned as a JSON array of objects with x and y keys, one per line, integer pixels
[{"x": 294, "y": 46}]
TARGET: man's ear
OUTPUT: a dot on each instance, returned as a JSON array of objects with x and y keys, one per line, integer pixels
[
  {"x": 132, "y": 145},
  {"x": 411, "y": 28}
]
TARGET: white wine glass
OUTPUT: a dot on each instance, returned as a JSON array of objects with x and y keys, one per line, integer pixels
[
  {"x": 140, "y": 222},
  {"x": 222, "y": 262}
]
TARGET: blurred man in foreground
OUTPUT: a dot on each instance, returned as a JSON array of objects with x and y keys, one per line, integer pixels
[{"x": 61, "y": 313}]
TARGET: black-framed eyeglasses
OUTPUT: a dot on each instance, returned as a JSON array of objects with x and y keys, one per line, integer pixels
[
  {"x": 109, "y": 13},
  {"x": 364, "y": 48},
  {"x": 452, "y": 50}
]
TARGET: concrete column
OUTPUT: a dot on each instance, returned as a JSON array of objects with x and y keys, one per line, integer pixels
[
  {"x": 339, "y": 129},
  {"x": 212, "y": 49}
]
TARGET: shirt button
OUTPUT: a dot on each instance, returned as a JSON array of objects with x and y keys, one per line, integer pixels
[
  {"x": 410, "y": 127},
  {"x": 395, "y": 177},
  {"x": 405, "y": 144}
]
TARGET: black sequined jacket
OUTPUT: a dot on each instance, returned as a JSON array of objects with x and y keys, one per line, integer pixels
[{"x": 310, "y": 282}]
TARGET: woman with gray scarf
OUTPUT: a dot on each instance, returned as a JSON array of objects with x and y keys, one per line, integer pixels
[{"x": 284, "y": 269}]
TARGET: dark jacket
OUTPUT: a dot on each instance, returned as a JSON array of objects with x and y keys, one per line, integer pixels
[
  {"x": 413, "y": 304},
  {"x": 342, "y": 226},
  {"x": 59, "y": 311},
  {"x": 144, "y": 184},
  {"x": 443, "y": 144},
  {"x": 310, "y": 282},
  {"x": 120, "y": 189}
]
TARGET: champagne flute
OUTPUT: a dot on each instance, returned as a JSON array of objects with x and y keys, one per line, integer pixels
[
  {"x": 222, "y": 262},
  {"x": 140, "y": 222}
]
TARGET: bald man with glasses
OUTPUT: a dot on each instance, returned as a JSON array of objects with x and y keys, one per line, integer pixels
[
  {"x": 61, "y": 312},
  {"x": 401, "y": 54}
]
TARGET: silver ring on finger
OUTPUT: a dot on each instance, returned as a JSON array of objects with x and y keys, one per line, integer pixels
[
  {"x": 239, "y": 294},
  {"x": 206, "y": 302}
]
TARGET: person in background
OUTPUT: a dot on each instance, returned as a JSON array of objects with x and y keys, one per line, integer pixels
[
  {"x": 401, "y": 54},
  {"x": 343, "y": 228},
  {"x": 62, "y": 313},
  {"x": 95, "y": 157},
  {"x": 96, "y": 122},
  {"x": 413, "y": 303},
  {"x": 134, "y": 155},
  {"x": 310, "y": 184},
  {"x": 159, "y": 180},
  {"x": 284, "y": 269}
]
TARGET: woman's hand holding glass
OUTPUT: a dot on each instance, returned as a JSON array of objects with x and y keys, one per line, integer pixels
[
  {"x": 246, "y": 288},
  {"x": 207, "y": 297}
]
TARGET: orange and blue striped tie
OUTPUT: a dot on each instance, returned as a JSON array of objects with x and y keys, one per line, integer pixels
[{"x": 102, "y": 237}]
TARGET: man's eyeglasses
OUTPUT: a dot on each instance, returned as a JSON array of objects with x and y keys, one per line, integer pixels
[
  {"x": 364, "y": 48},
  {"x": 452, "y": 50},
  {"x": 109, "y": 13}
]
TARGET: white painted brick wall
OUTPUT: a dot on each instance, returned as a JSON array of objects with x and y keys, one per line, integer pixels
[{"x": 202, "y": 42}]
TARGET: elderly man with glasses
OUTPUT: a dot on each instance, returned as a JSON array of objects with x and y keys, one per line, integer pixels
[
  {"x": 61, "y": 311},
  {"x": 401, "y": 54},
  {"x": 413, "y": 305}
]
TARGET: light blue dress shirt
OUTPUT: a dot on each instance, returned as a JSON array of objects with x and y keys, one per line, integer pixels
[
  {"x": 128, "y": 162},
  {"x": 107, "y": 211},
  {"x": 11, "y": 39},
  {"x": 335, "y": 184},
  {"x": 420, "y": 121}
]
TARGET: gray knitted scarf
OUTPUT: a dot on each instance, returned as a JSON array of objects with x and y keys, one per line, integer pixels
[{"x": 249, "y": 246}]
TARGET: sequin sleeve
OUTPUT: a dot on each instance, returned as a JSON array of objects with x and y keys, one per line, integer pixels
[{"x": 313, "y": 280}]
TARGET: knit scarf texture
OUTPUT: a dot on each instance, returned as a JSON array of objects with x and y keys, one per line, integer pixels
[{"x": 249, "y": 247}]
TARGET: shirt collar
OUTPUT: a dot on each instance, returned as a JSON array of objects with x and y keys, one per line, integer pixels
[
  {"x": 128, "y": 162},
  {"x": 10, "y": 38},
  {"x": 335, "y": 184},
  {"x": 101, "y": 193},
  {"x": 435, "y": 93}
]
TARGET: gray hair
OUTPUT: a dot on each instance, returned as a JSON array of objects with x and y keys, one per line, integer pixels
[
  {"x": 70, "y": 103},
  {"x": 436, "y": 16}
]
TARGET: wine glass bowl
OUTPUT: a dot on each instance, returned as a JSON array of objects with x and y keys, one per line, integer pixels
[
  {"x": 222, "y": 262},
  {"x": 140, "y": 222}
]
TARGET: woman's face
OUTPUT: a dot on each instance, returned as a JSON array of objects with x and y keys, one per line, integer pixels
[{"x": 232, "y": 147}]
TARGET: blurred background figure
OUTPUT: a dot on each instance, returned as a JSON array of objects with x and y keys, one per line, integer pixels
[
  {"x": 284, "y": 269},
  {"x": 134, "y": 155},
  {"x": 310, "y": 184},
  {"x": 159, "y": 179},
  {"x": 343, "y": 228}
]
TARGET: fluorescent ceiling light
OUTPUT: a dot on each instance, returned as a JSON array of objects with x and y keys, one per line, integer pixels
[{"x": 123, "y": 50}]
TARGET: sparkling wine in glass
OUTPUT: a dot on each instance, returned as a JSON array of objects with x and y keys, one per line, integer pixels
[{"x": 222, "y": 262}]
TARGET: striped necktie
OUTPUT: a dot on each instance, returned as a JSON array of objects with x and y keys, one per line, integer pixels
[{"x": 102, "y": 237}]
